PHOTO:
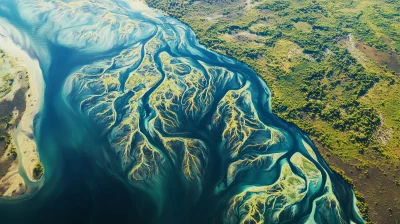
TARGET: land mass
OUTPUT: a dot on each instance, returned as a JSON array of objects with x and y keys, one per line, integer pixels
[{"x": 19, "y": 102}]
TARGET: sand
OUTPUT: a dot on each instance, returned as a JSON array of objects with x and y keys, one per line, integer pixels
[
  {"x": 138, "y": 4},
  {"x": 23, "y": 135},
  {"x": 12, "y": 182}
]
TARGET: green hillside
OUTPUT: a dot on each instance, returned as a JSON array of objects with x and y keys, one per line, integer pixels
[{"x": 334, "y": 70}]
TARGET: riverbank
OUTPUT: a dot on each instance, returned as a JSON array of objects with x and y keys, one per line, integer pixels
[{"x": 25, "y": 100}]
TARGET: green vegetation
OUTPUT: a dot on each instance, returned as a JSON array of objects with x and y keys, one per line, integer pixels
[
  {"x": 38, "y": 171},
  {"x": 333, "y": 69},
  {"x": 13, "y": 153},
  {"x": 5, "y": 137},
  {"x": 10, "y": 111},
  {"x": 6, "y": 81}
]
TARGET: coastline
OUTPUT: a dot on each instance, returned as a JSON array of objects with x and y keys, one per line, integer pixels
[{"x": 20, "y": 173}]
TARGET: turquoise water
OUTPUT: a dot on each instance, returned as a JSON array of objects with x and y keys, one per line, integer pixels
[{"x": 141, "y": 124}]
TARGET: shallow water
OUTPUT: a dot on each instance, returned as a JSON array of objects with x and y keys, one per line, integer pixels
[{"x": 141, "y": 124}]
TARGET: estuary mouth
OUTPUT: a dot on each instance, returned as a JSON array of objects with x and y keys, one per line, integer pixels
[{"x": 177, "y": 133}]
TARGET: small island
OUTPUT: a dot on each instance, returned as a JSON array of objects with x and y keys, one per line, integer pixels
[{"x": 17, "y": 101}]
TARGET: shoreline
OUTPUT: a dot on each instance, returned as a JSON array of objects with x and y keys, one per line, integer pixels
[{"x": 23, "y": 137}]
